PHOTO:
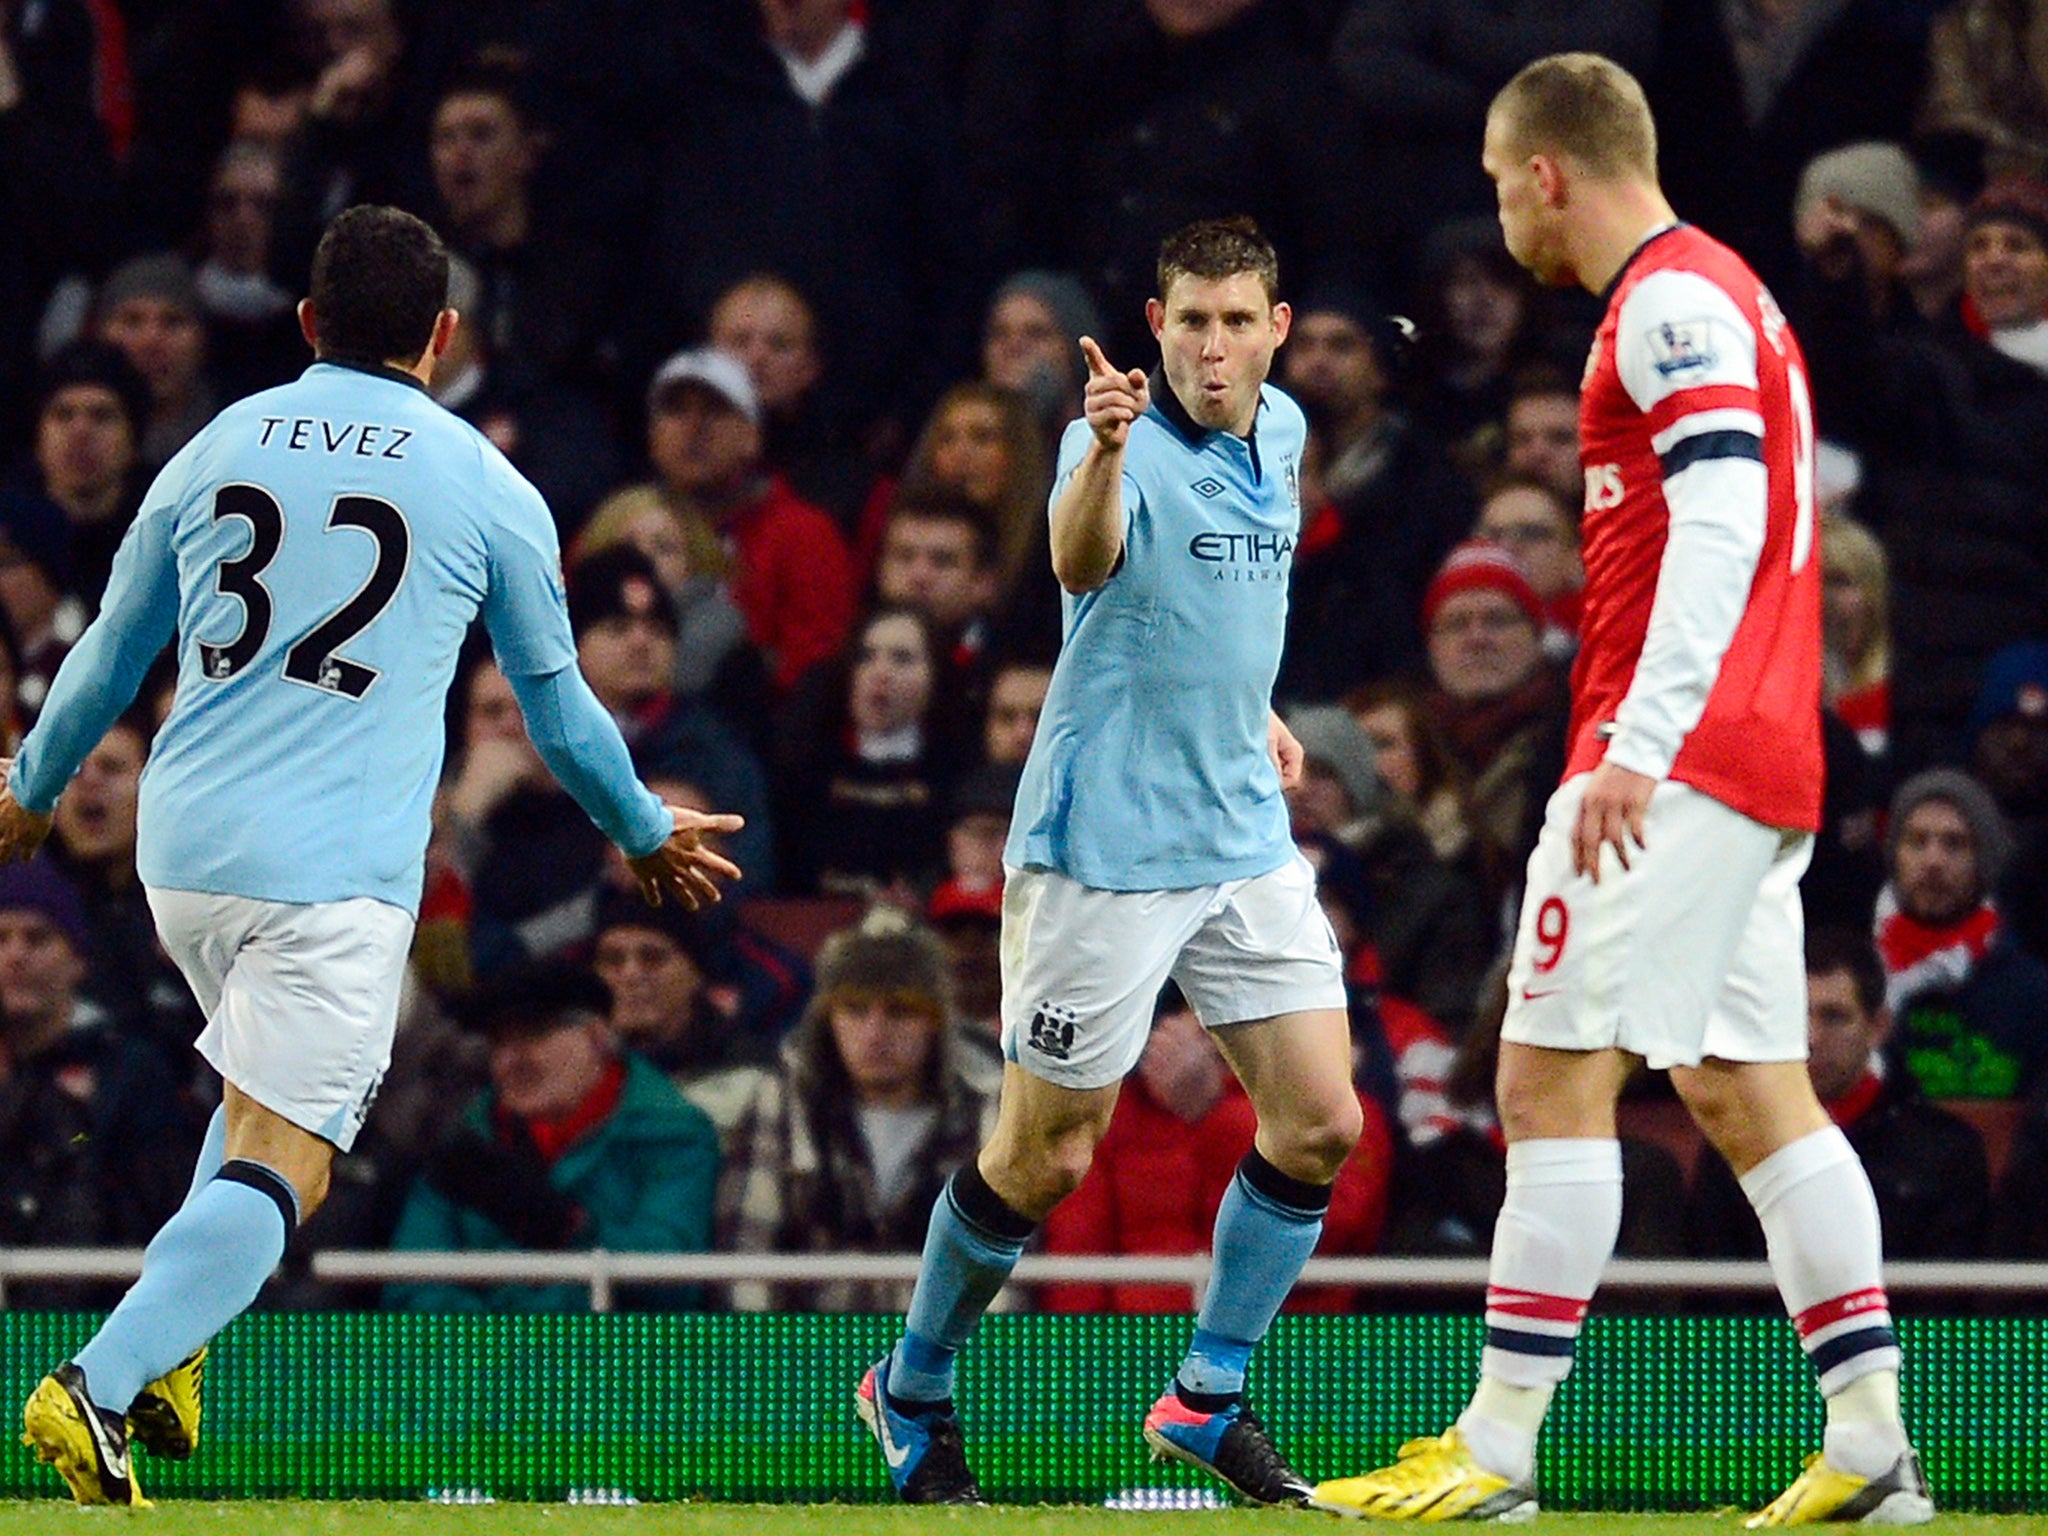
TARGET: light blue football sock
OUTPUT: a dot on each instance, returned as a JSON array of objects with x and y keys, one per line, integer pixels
[
  {"x": 969, "y": 1250},
  {"x": 200, "y": 1272},
  {"x": 1266, "y": 1228}
]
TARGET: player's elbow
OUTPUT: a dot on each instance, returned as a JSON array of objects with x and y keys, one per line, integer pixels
[{"x": 1082, "y": 570}]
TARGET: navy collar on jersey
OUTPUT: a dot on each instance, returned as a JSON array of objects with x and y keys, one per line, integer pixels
[
  {"x": 374, "y": 370},
  {"x": 1168, "y": 405},
  {"x": 1607, "y": 293}
]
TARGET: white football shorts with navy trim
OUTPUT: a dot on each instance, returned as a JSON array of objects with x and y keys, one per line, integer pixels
[
  {"x": 301, "y": 1000},
  {"x": 1082, "y": 967}
]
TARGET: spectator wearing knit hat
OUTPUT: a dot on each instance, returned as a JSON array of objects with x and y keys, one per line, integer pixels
[
  {"x": 2005, "y": 269},
  {"x": 1971, "y": 1007},
  {"x": 1409, "y": 923},
  {"x": 1859, "y": 207},
  {"x": 1028, "y": 344},
  {"x": 91, "y": 410},
  {"x": 1340, "y": 789},
  {"x": 1540, "y": 527},
  {"x": 1855, "y": 221},
  {"x": 145, "y": 1130},
  {"x": 657, "y": 963},
  {"x": 1496, "y": 699},
  {"x": 149, "y": 307},
  {"x": 875, "y": 1105}
]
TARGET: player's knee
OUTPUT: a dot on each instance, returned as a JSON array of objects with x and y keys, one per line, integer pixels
[
  {"x": 1529, "y": 1114},
  {"x": 1314, "y": 1148},
  {"x": 1036, "y": 1177},
  {"x": 1715, "y": 1107},
  {"x": 1523, "y": 1114},
  {"x": 1066, "y": 1165}
]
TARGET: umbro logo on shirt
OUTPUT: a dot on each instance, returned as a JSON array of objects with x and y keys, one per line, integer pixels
[{"x": 1208, "y": 487}]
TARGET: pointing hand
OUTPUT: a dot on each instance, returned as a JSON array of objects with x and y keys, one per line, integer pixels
[{"x": 1112, "y": 400}]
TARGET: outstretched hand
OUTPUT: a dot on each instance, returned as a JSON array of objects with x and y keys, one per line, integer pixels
[
  {"x": 683, "y": 866},
  {"x": 21, "y": 831},
  {"x": 1112, "y": 399}
]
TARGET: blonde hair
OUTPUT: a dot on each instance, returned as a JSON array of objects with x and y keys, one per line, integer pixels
[
  {"x": 1849, "y": 549},
  {"x": 1019, "y": 514},
  {"x": 612, "y": 524},
  {"x": 1585, "y": 106}
]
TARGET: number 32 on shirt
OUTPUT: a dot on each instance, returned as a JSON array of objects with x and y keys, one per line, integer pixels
[{"x": 313, "y": 661}]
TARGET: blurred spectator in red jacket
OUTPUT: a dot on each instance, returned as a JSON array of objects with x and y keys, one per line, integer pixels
[
  {"x": 1173, "y": 1145},
  {"x": 788, "y": 571}
]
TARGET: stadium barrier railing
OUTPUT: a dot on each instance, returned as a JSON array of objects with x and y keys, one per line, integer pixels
[{"x": 601, "y": 1271}]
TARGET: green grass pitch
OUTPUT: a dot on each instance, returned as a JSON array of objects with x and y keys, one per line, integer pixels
[{"x": 284, "y": 1518}]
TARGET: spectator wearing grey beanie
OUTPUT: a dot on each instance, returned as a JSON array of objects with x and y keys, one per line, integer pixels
[
  {"x": 1971, "y": 1006},
  {"x": 1030, "y": 341},
  {"x": 149, "y": 307}
]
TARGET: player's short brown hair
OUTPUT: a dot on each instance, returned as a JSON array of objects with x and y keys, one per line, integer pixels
[
  {"x": 380, "y": 280},
  {"x": 1213, "y": 249},
  {"x": 1584, "y": 106}
]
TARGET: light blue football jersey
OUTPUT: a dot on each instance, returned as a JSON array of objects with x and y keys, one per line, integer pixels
[
  {"x": 320, "y": 550},
  {"x": 1149, "y": 768}
]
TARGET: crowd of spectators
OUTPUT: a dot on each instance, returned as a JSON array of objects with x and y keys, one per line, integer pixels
[{"x": 777, "y": 304}]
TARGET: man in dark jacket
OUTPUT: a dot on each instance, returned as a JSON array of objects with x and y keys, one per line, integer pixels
[
  {"x": 1926, "y": 1167},
  {"x": 1971, "y": 1005},
  {"x": 809, "y": 148},
  {"x": 1394, "y": 507},
  {"x": 1952, "y": 423},
  {"x": 50, "y": 1195},
  {"x": 143, "y": 1131}
]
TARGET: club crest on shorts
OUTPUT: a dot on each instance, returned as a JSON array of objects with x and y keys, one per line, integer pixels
[{"x": 1052, "y": 1031}]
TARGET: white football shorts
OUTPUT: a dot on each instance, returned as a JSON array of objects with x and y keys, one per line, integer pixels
[
  {"x": 301, "y": 1000},
  {"x": 1082, "y": 968},
  {"x": 1696, "y": 950}
]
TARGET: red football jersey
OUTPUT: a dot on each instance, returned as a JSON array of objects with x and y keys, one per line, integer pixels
[{"x": 1700, "y": 642}]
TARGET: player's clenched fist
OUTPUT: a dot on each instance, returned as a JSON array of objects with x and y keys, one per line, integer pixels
[{"x": 1112, "y": 399}]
